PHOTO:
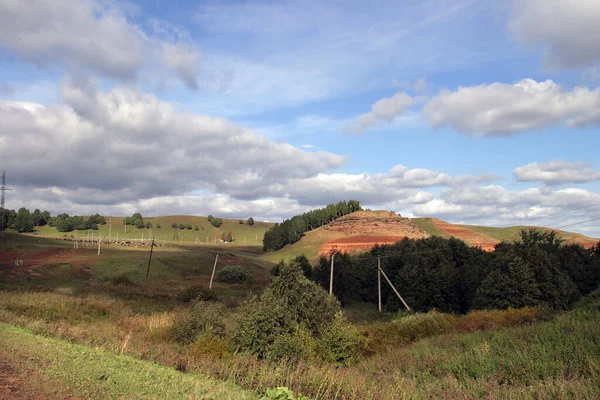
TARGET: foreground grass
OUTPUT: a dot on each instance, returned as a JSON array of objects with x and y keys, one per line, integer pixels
[{"x": 97, "y": 374}]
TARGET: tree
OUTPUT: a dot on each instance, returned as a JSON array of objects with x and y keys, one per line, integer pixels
[
  {"x": 226, "y": 237},
  {"x": 181, "y": 226},
  {"x": 23, "y": 221},
  {"x": 250, "y": 221},
  {"x": 157, "y": 226},
  {"x": 174, "y": 225},
  {"x": 291, "y": 304},
  {"x": 196, "y": 227}
]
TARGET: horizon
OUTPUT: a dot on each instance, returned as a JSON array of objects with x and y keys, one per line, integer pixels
[{"x": 473, "y": 113}]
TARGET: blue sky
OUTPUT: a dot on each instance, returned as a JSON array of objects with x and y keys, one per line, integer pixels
[{"x": 470, "y": 111}]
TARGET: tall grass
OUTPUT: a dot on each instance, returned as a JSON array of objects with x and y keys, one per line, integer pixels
[{"x": 491, "y": 354}]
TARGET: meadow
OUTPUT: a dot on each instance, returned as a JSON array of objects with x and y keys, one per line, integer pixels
[{"x": 68, "y": 305}]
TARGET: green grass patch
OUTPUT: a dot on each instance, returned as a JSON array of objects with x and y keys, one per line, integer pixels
[{"x": 97, "y": 374}]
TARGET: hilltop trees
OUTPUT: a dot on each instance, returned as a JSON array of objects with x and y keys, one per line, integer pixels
[
  {"x": 216, "y": 222},
  {"x": 250, "y": 221},
  {"x": 23, "y": 220},
  {"x": 291, "y": 230}
]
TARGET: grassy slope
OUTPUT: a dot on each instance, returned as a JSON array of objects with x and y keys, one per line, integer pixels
[
  {"x": 253, "y": 234},
  {"x": 97, "y": 374}
]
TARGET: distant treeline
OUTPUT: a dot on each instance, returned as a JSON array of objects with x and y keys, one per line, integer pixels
[
  {"x": 23, "y": 220},
  {"x": 66, "y": 223},
  {"x": 291, "y": 230},
  {"x": 448, "y": 275}
]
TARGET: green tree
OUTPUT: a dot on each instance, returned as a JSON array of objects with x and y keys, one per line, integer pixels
[
  {"x": 196, "y": 227},
  {"x": 24, "y": 221},
  {"x": 250, "y": 221},
  {"x": 226, "y": 237},
  {"x": 289, "y": 305},
  {"x": 157, "y": 226}
]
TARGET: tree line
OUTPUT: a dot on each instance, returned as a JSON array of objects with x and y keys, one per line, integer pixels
[
  {"x": 23, "y": 220},
  {"x": 66, "y": 223},
  {"x": 448, "y": 275},
  {"x": 291, "y": 230}
]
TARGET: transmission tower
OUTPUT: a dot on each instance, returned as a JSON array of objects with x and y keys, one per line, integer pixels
[{"x": 3, "y": 189}]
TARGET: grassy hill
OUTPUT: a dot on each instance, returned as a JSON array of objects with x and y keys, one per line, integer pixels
[
  {"x": 361, "y": 230},
  {"x": 206, "y": 233}
]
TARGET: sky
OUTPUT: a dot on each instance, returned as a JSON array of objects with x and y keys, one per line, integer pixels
[{"x": 475, "y": 112}]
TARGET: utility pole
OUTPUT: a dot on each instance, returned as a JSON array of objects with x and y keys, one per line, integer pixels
[
  {"x": 213, "y": 272},
  {"x": 379, "y": 280},
  {"x": 331, "y": 275},
  {"x": 395, "y": 291},
  {"x": 110, "y": 228},
  {"x": 99, "y": 241},
  {"x": 149, "y": 259}
]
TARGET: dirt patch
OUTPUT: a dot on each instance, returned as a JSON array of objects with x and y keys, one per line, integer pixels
[
  {"x": 375, "y": 223},
  {"x": 487, "y": 243},
  {"x": 353, "y": 243}
]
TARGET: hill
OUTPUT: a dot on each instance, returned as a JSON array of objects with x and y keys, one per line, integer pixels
[
  {"x": 206, "y": 233},
  {"x": 362, "y": 230}
]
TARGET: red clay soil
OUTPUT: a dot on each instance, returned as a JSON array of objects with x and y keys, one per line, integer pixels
[
  {"x": 33, "y": 260},
  {"x": 487, "y": 243},
  {"x": 349, "y": 244}
]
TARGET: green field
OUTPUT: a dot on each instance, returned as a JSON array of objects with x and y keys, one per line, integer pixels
[{"x": 206, "y": 234}]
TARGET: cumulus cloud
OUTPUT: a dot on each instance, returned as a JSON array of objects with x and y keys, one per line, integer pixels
[
  {"x": 497, "y": 206},
  {"x": 568, "y": 30},
  {"x": 556, "y": 172},
  {"x": 124, "y": 145},
  {"x": 501, "y": 109},
  {"x": 383, "y": 111},
  {"x": 89, "y": 34}
]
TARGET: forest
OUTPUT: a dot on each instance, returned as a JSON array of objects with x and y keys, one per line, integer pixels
[
  {"x": 449, "y": 276},
  {"x": 292, "y": 230}
]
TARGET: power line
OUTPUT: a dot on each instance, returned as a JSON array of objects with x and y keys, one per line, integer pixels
[
  {"x": 553, "y": 215},
  {"x": 577, "y": 223}
]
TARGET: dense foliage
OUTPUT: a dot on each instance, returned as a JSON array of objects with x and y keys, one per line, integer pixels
[
  {"x": 233, "y": 274},
  {"x": 291, "y": 230},
  {"x": 293, "y": 318},
  {"x": 216, "y": 222},
  {"x": 23, "y": 220},
  {"x": 448, "y": 275},
  {"x": 136, "y": 220},
  {"x": 66, "y": 223}
]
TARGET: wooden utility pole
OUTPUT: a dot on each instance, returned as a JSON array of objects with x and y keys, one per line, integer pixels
[
  {"x": 109, "y": 228},
  {"x": 394, "y": 288},
  {"x": 149, "y": 259},
  {"x": 99, "y": 241},
  {"x": 213, "y": 272},
  {"x": 331, "y": 275},
  {"x": 379, "y": 280}
]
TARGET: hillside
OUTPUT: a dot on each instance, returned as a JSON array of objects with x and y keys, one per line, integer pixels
[
  {"x": 242, "y": 233},
  {"x": 362, "y": 230}
]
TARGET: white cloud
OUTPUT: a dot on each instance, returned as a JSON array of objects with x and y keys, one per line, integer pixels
[
  {"x": 568, "y": 30},
  {"x": 501, "y": 109},
  {"x": 124, "y": 145},
  {"x": 90, "y": 34},
  {"x": 556, "y": 172},
  {"x": 383, "y": 111}
]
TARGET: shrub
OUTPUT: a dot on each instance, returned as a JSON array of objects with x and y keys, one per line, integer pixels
[
  {"x": 174, "y": 225},
  {"x": 494, "y": 319},
  {"x": 203, "y": 316},
  {"x": 289, "y": 304},
  {"x": 121, "y": 279},
  {"x": 181, "y": 226},
  {"x": 157, "y": 226},
  {"x": 339, "y": 342},
  {"x": 196, "y": 227},
  {"x": 295, "y": 346},
  {"x": 209, "y": 344},
  {"x": 250, "y": 221},
  {"x": 196, "y": 292},
  {"x": 232, "y": 274}
]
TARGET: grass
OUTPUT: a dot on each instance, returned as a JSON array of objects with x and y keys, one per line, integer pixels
[
  {"x": 426, "y": 225},
  {"x": 253, "y": 235},
  {"x": 120, "y": 320},
  {"x": 98, "y": 374}
]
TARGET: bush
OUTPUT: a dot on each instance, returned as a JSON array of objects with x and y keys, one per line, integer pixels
[
  {"x": 209, "y": 344},
  {"x": 339, "y": 343},
  {"x": 203, "y": 316},
  {"x": 174, "y": 225},
  {"x": 290, "y": 304},
  {"x": 157, "y": 226},
  {"x": 196, "y": 292},
  {"x": 294, "y": 346},
  {"x": 121, "y": 279},
  {"x": 196, "y": 227},
  {"x": 232, "y": 274}
]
